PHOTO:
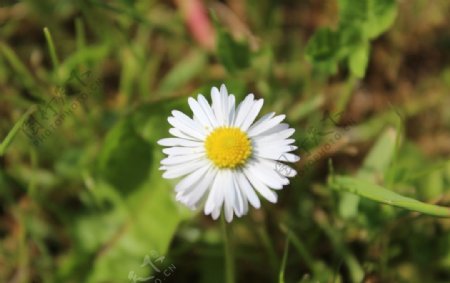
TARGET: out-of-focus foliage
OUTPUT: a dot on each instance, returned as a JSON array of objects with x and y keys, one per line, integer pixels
[{"x": 359, "y": 23}]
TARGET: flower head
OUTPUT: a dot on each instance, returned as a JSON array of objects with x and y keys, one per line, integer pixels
[{"x": 225, "y": 157}]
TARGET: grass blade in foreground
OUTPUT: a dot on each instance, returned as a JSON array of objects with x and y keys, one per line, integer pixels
[
  {"x": 377, "y": 193},
  {"x": 283, "y": 262},
  {"x": 9, "y": 138}
]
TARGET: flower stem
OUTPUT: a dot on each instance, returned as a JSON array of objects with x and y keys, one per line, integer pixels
[{"x": 229, "y": 260}]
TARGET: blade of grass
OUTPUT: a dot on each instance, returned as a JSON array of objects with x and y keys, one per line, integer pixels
[
  {"x": 80, "y": 34},
  {"x": 433, "y": 168},
  {"x": 344, "y": 254},
  {"x": 344, "y": 98},
  {"x": 299, "y": 246},
  {"x": 51, "y": 49},
  {"x": 305, "y": 108},
  {"x": 10, "y": 136},
  {"x": 22, "y": 72},
  {"x": 377, "y": 193},
  {"x": 283, "y": 261}
]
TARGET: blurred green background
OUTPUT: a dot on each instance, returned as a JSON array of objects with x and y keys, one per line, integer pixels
[{"x": 85, "y": 91}]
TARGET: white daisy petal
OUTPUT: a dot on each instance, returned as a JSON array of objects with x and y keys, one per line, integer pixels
[
  {"x": 215, "y": 214},
  {"x": 216, "y": 98},
  {"x": 207, "y": 110},
  {"x": 265, "y": 126},
  {"x": 179, "y": 170},
  {"x": 274, "y": 130},
  {"x": 247, "y": 189},
  {"x": 289, "y": 157},
  {"x": 230, "y": 195},
  {"x": 285, "y": 170},
  {"x": 239, "y": 208},
  {"x": 191, "y": 179},
  {"x": 242, "y": 110},
  {"x": 277, "y": 153},
  {"x": 179, "y": 142},
  {"x": 279, "y": 136},
  {"x": 231, "y": 109},
  {"x": 261, "y": 120},
  {"x": 250, "y": 118},
  {"x": 224, "y": 104},
  {"x": 186, "y": 129},
  {"x": 179, "y": 134},
  {"x": 183, "y": 118},
  {"x": 215, "y": 197},
  {"x": 183, "y": 150},
  {"x": 257, "y": 143},
  {"x": 268, "y": 175},
  {"x": 260, "y": 187},
  {"x": 200, "y": 189},
  {"x": 199, "y": 113},
  {"x": 172, "y": 160}
]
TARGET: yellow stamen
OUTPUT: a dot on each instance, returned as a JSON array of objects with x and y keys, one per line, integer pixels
[{"x": 228, "y": 147}]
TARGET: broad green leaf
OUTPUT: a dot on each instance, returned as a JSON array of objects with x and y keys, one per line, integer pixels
[
  {"x": 380, "y": 194},
  {"x": 125, "y": 157},
  {"x": 232, "y": 54},
  {"x": 151, "y": 220}
]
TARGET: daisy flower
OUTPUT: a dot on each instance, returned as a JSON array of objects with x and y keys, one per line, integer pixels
[{"x": 226, "y": 158}]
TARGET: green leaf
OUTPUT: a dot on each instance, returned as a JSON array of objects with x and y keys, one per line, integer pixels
[
  {"x": 323, "y": 46},
  {"x": 358, "y": 60},
  {"x": 232, "y": 54},
  {"x": 381, "y": 16},
  {"x": 125, "y": 157},
  {"x": 352, "y": 12},
  {"x": 151, "y": 220},
  {"x": 380, "y": 194},
  {"x": 372, "y": 17}
]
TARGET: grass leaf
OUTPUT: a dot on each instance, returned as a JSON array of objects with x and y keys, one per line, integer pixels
[
  {"x": 10, "y": 136},
  {"x": 380, "y": 194}
]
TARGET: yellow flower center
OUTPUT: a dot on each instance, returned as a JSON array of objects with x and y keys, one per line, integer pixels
[{"x": 228, "y": 147}]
